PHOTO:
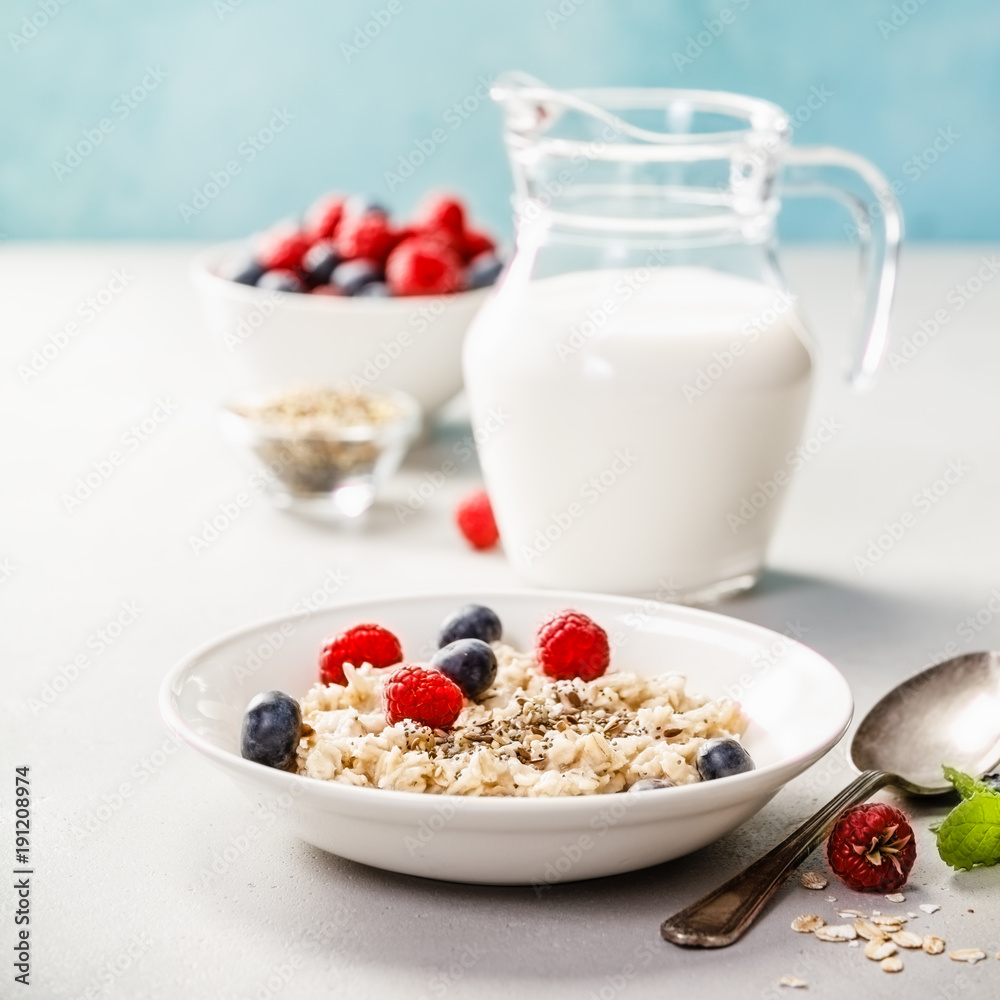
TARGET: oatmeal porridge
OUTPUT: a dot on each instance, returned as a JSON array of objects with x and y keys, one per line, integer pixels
[{"x": 528, "y": 734}]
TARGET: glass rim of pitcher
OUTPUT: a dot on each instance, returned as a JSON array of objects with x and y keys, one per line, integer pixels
[{"x": 765, "y": 121}]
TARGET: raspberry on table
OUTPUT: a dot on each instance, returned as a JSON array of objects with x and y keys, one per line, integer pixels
[
  {"x": 474, "y": 517},
  {"x": 569, "y": 644},
  {"x": 366, "y": 643},
  {"x": 872, "y": 848},
  {"x": 427, "y": 697}
]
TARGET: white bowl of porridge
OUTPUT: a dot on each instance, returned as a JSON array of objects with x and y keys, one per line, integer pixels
[{"x": 537, "y": 781}]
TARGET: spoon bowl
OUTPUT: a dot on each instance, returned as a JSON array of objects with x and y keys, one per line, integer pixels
[{"x": 948, "y": 714}]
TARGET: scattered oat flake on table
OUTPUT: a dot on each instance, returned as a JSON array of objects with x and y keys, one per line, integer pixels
[
  {"x": 854, "y": 944},
  {"x": 793, "y": 982},
  {"x": 868, "y": 930},
  {"x": 886, "y": 921},
  {"x": 896, "y": 897},
  {"x": 831, "y": 899},
  {"x": 934, "y": 945},
  {"x": 806, "y": 923},
  {"x": 813, "y": 880},
  {"x": 907, "y": 939},
  {"x": 836, "y": 932},
  {"x": 850, "y": 913},
  {"x": 912, "y": 916},
  {"x": 929, "y": 907},
  {"x": 879, "y": 949},
  {"x": 892, "y": 964},
  {"x": 970, "y": 955}
]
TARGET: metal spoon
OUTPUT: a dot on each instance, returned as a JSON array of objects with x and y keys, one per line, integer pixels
[{"x": 948, "y": 714}]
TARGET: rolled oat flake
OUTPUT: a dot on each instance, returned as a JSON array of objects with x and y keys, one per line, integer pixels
[
  {"x": 813, "y": 880},
  {"x": 970, "y": 955}
]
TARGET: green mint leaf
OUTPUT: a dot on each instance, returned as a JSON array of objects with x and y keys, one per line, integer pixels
[
  {"x": 970, "y": 834},
  {"x": 966, "y": 785}
]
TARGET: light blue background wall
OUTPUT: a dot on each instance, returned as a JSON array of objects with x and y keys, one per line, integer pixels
[{"x": 228, "y": 63}]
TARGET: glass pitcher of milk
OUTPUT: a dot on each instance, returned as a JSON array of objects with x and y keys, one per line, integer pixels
[{"x": 641, "y": 365}]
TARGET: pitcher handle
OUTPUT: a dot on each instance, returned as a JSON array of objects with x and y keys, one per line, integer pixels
[{"x": 810, "y": 171}]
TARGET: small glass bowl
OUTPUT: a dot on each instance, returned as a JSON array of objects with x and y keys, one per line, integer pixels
[{"x": 319, "y": 464}]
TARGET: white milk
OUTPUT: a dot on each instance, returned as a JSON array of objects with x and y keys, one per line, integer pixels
[{"x": 643, "y": 432}]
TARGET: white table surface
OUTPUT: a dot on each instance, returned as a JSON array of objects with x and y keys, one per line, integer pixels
[{"x": 124, "y": 875}]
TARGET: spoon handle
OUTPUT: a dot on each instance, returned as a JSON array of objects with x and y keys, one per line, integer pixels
[{"x": 721, "y": 917}]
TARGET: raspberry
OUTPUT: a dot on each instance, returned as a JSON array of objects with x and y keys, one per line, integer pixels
[
  {"x": 474, "y": 243},
  {"x": 425, "y": 696},
  {"x": 365, "y": 235},
  {"x": 443, "y": 212},
  {"x": 403, "y": 233},
  {"x": 474, "y": 517},
  {"x": 283, "y": 252},
  {"x": 442, "y": 237},
  {"x": 570, "y": 644},
  {"x": 323, "y": 217},
  {"x": 423, "y": 266},
  {"x": 365, "y": 643},
  {"x": 872, "y": 848}
]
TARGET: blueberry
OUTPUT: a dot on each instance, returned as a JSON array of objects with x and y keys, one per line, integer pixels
[
  {"x": 351, "y": 276},
  {"x": 470, "y": 663},
  {"x": 320, "y": 260},
  {"x": 483, "y": 270},
  {"x": 471, "y": 621},
  {"x": 281, "y": 280},
  {"x": 648, "y": 784},
  {"x": 719, "y": 758},
  {"x": 271, "y": 727},
  {"x": 245, "y": 270},
  {"x": 374, "y": 290}
]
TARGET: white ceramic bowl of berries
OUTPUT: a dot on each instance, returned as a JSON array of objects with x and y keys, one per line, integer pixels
[
  {"x": 237, "y": 700},
  {"x": 349, "y": 297}
]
